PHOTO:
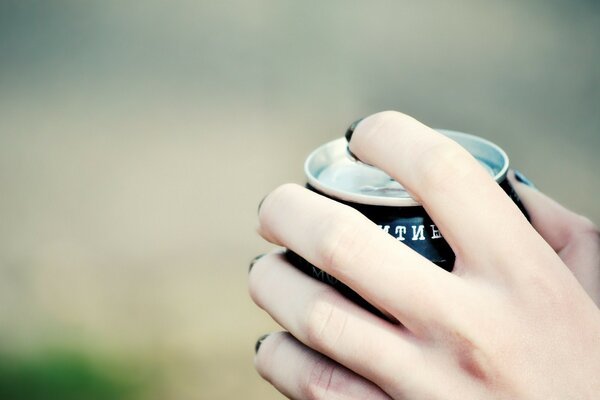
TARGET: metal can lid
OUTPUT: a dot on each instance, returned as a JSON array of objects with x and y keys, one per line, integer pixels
[{"x": 330, "y": 171}]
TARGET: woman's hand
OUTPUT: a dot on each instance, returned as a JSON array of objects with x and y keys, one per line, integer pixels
[{"x": 510, "y": 322}]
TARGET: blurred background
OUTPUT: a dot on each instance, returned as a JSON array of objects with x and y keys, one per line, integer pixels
[{"x": 137, "y": 138}]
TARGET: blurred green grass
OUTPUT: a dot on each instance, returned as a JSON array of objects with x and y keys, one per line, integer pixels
[{"x": 65, "y": 374}]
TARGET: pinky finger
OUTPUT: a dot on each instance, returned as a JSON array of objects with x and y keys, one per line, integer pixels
[{"x": 299, "y": 372}]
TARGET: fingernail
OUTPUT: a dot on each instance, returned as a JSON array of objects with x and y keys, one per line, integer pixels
[
  {"x": 349, "y": 133},
  {"x": 523, "y": 179},
  {"x": 351, "y": 128},
  {"x": 259, "y": 342},
  {"x": 254, "y": 260},
  {"x": 260, "y": 204}
]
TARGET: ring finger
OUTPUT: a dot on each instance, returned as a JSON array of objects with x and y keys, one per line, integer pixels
[
  {"x": 301, "y": 373},
  {"x": 320, "y": 317}
]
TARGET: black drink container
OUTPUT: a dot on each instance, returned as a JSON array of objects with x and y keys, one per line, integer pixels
[{"x": 331, "y": 172}]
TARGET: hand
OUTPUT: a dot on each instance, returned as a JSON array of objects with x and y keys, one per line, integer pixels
[{"x": 510, "y": 322}]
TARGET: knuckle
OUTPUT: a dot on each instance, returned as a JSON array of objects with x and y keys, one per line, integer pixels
[
  {"x": 534, "y": 285},
  {"x": 339, "y": 239},
  {"x": 325, "y": 321},
  {"x": 442, "y": 164},
  {"x": 582, "y": 229},
  {"x": 587, "y": 226},
  {"x": 319, "y": 381}
]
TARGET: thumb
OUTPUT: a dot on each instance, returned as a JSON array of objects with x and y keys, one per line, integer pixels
[{"x": 574, "y": 238}]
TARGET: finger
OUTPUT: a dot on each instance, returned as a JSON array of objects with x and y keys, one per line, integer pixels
[
  {"x": 301, "y": 373},
  {"x": 558, "y": 225},
  {"x": 476, "y": 217},
  {"x": 320, "y": 317},
  {"x": 345, "y": 244},
  {"x": 573, "y": 237}
]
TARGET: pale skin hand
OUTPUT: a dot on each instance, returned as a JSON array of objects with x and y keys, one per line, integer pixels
[{"x": 516, "y": 319}]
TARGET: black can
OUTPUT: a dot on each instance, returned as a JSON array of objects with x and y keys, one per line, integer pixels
[{"x": 332, "y": 172}]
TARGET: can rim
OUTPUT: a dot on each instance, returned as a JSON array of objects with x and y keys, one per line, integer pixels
[{"x": 337, "y": 146}]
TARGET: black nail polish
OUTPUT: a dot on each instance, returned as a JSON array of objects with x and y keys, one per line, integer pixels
[
  {"x": 259, "y": 342},
  {"x": 260, "y": 204},
  {"x": 349, "y": 133},
  {"x": 523, "y": 179},
  {"x": 351, "y": 128},
  {"x": 254, "y": 260}
]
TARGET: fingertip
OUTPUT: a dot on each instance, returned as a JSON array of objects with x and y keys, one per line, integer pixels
[
  {"x": 259, "y": 342},
  {"x": 254, "y": 260},
  {"x": 383, "y": 131},
  {"x": 524, "y": 187},
  {"x": 260, "y": 204},
  {"x": 533, "y": 201},
  {"x": 522, "y": 179},
  {"x": 373, "y": 122},
  {"x": 275, "y": 203},
  {"x": 266, "y": 348},
  {"x": 351, "y": 129}
]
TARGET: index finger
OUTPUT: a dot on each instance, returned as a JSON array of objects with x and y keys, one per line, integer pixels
[{"x": 476, "y": 217}]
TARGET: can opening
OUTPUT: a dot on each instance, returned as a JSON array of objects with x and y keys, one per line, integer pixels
[{"x": 330, "y": 170}]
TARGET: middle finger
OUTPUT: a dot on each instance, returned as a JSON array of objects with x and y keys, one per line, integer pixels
[{"x": 348, "y": 246}]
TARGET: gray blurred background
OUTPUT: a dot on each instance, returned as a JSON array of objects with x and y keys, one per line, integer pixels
[{"x": 137, "y": 138}]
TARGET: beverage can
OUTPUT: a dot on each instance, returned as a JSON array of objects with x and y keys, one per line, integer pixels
[{"x": 332, "y": 171}]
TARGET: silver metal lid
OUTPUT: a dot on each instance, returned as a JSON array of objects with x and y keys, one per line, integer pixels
[{"x": 331, "y": 171}]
